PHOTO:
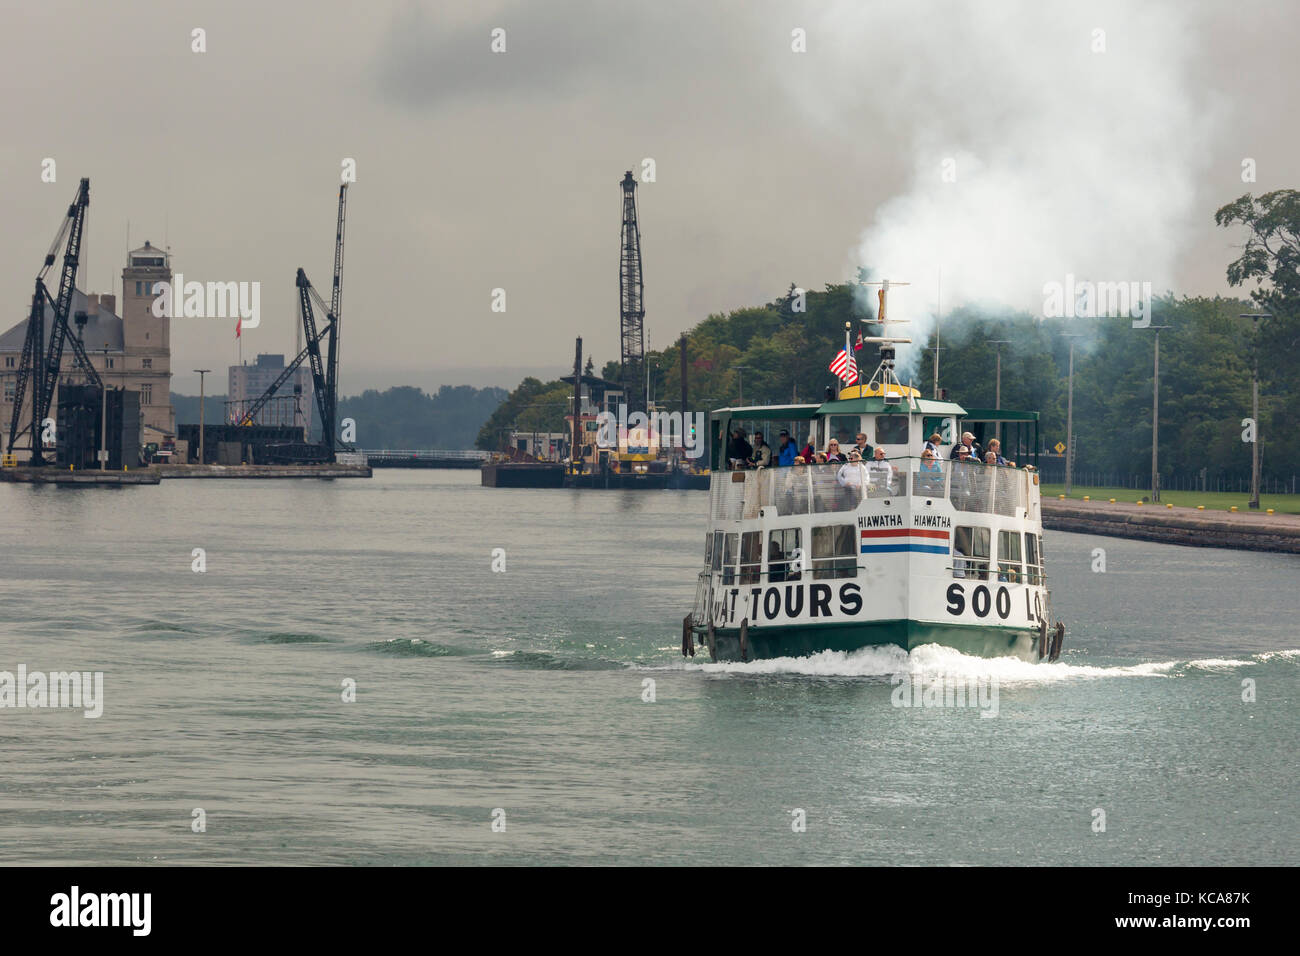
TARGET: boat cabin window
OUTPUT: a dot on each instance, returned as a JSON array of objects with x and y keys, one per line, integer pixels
[
  {"x": 892, "y": 429},
  {"x": 844, "y": 429},
  {"x": 1033, "y": 558},
  {"x": 715, "y": 553},
  {"x": 834, "y": 551},
  {"x": 708, "y": 551},
  {"x": 729, "y": 558},
  {"x": 970, "y": 553},
  {"x": 1009, "y": 567},
  {"x": 783, "y": 555},
  {"x": 751, "y": 557}
]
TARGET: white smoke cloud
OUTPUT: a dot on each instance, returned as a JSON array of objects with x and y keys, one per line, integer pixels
[{"x": 1066, "y": 160}]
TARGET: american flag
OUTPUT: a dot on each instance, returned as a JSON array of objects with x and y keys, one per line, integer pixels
[{"x": 845, "y": 367}]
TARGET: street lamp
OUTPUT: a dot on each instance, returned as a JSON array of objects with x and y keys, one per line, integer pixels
[
  {"x": 1254, "y": 405},
  {"x": 741, "y": 369},
  {"x": 103, "y": 415},
  {"x": 1155, "y": 415},
  {"x": 202, "y": 372},
  {"x": 1069, "y": 417}
]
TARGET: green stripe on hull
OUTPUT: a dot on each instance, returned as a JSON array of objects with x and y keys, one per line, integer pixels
[{"x": 800, "y": 641}]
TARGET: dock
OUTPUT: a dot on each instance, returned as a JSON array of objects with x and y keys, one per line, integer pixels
[
  {"x": 265, "y": 471},
  {"x": 63, "y": 476},
  {"x": 1240, "y": 530}
]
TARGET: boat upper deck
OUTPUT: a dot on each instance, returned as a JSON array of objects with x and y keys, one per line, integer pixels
[{"x": 825, "y": 488}]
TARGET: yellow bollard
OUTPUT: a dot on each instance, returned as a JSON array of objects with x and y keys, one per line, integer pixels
[
  {"x": 1200, "y": 507},
  {"x": 1270, "y": 510},
  {"x": 1087, "y": 497},
  {"x": 1140, "y": 502},
  {"x": 1168, "y": 506},
  {"x": 1233, "y": 508},
  {"x": 1112, "y": 500},
  {"x": 1062, "y": 497}
]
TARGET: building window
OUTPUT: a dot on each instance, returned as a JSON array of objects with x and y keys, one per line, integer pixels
[
  {"x": 970, "y": 553},
  {"x": 137, "y": 288},
  {"x": 834, "y": 551},
  {"x": 10, "y": 385},
  {"x": 146, "y": 394},
  {"x": 110, "y": 363},
  {"x": 9, "y": 361},
  {"x": 146, "y": 363}
]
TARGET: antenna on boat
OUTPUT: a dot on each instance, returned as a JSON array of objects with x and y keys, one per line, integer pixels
[{"x": 884, "y": 376}]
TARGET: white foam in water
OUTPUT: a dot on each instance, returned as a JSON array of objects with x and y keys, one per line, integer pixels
[{"x": 934, "y": 660}]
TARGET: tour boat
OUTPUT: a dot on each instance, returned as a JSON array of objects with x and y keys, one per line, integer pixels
[{"x": 801, "y": 559}]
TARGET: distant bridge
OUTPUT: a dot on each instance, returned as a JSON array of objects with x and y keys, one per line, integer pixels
[{"x": 422, "y": 458}]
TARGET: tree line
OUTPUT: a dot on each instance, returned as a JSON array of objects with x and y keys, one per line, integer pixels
[{"x": 778, "y": 352}]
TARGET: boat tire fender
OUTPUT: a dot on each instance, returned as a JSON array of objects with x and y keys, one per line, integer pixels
[
  {"x": 1058, "y": 638},
  {"x": 744, "y": 639}
]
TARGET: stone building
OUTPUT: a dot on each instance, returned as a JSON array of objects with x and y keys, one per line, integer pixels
[{"x": 131, "y": 351}]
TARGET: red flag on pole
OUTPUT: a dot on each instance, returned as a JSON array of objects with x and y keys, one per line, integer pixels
[{"x": 239, "y": 326}]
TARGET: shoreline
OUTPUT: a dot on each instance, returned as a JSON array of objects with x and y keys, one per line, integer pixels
[{"x": 1242, "y": 531}]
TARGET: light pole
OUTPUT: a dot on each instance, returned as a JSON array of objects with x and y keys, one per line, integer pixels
[
  {"x": 741, "y": 369},
  {"x": 1069, "y": 418},
  {"x": 997, "y": 400},
  {"x": 1254, "y": 405},
  {"x": 202, "y": 372},
  {"x": 103, "y": 415},
  {"x": 1155, "y": 416}
]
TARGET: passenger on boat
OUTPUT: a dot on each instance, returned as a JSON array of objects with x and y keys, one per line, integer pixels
[
  {"x": 958, "y": 563},
  {"x": 821, "y": 458},
  {"x": 929, "y": 474},
  {"x": 995, "y": 446},
  {"x": 776, "y": 562},
  {"x": 971, "y": 445},
  {"x": 849, "y": 478},
  {"x": 880, "y": 472},
  {"x": 934, "y": 442},
  {"x": 990, "y": 458},
  {"x": 739, "y": 450},
  {"x": 762, "y": 456},
  {"x": 785, "y": 454},
  {"x": 809, "y": 453},
  {"x": 862, "y": 447},
  {"x": 833, "y": 452}
]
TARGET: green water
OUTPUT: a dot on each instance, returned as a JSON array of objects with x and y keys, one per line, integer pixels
[{"x": 522, "y": 691}]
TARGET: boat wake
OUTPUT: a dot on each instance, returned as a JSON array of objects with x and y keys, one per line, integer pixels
[{"x": 934, "y": 660}]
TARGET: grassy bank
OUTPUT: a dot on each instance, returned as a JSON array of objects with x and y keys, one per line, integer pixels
[{"x": 1213, "y": 500}]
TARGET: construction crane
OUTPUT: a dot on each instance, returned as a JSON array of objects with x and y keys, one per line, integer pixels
[
  {"x": 632, "y": 309},
  {"x": 41, "y": 361},
  {"x": 324, "y": 368}
]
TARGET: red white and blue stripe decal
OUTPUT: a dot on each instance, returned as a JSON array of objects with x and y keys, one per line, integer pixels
[{"x": 892, "y": 540}]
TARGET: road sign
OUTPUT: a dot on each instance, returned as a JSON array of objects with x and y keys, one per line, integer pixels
[{"x": 1060, "y": 447}]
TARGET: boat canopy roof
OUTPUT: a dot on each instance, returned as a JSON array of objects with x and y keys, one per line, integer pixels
[
  {"x": 1000, "y": 415},
  {"x": 762, "y": 412}
]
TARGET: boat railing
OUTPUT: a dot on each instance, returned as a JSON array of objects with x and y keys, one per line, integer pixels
[{"x": 834, "y": 487}]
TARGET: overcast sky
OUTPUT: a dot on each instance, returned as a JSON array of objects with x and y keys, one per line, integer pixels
[{"x": 478, "y": 170}]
